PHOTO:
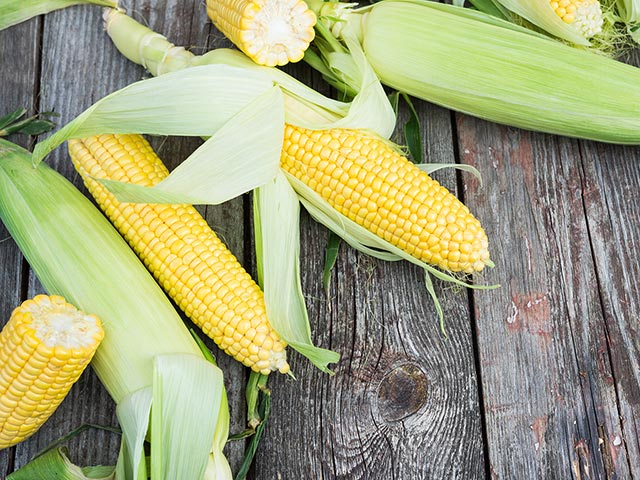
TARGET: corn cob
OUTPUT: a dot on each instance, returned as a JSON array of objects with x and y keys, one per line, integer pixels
[
  {"x": 584, "y": 15},
  {"x": 270, "y": 32},
  {"x": 182, "y": 252},
  {"x": 44, "y": 348},
  {"x": 367, "y": 180}
]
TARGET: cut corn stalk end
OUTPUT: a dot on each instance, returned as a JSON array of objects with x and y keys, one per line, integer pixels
[
  {"x": 270, "y": 32},
  {"x": 45, "y": 347}
]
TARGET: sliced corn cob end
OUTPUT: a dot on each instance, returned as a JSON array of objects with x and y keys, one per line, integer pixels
[
  {"x": 583, "y": 15},
  {"x": 44, "y": 348},
  {"x": 184, "y": 255},
  {"x": 270, "y": 32},
  {"x": 368, "y": 181}
]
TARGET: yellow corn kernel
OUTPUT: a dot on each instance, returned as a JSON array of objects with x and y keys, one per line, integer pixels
[
  {"x": 403, "y": 192},
  {"x": 270, "y": 32},
  {"x": 186, "y": 257},
  {"x": 45, "y": 346},
  {"x": 584, "y": 15}
]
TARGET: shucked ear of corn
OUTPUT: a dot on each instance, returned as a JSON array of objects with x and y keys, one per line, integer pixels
[
  {"x": 360, "y": 174},
  {"x": 477, "y": 64},
  {"x": 365, "y": 178},
  {"x": 183, "y": 253},
  {"x": 44, "y": 347},
  {"x": 270, "y": 32}
]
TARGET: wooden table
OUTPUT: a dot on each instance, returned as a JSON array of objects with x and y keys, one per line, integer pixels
[{"x": 538, "y": 379}]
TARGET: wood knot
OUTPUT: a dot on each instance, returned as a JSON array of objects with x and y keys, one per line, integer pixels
[{"x": 402, "y": 392}]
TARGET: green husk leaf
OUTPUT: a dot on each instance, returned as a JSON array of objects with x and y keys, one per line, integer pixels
[
  {"x": 490, "y": 7},
  {"x": 412, "y": 132},
  {"x": 191, "y": 102},
  {"x": 303, "y": 106},
  {"x": 629, "y": 11},
  {"x": 330, "y": 257},
  {"x": 277, "y": 212},
  {"x": 436, "y": 302},
  {"x": 10, "y": 118},
  {"x": 13, "y": 12},
  {"x": 133, "y": 416},
  {"x": 264, "y": 410},
  {"x": 56, "y": 464},
  {"x": 34, "y": 125},
  {"x": 187, "y": 393},
  {"x": 242, "y": 155}
]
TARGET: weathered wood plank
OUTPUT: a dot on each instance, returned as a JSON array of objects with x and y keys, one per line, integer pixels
[
  {"x": 611, "y": 176},
  {"x": 550, "y": 405},
  {"x": 403, "y": 396},
  {"x": 19, "y": 48}
]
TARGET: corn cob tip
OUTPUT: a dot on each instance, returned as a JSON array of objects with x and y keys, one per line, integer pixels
[
  {"x": 44, "y": 348},
  {"x": 583, "y": 15},
  {"x": 270, "y": 32}
]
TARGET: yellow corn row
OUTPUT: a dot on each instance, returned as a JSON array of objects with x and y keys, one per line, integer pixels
[
  {"x": 270, "y": 32},
  {"x": 367, "y": 180},
  {"x": 185, "y": 256},
  {"x": 44, "y": 348}
]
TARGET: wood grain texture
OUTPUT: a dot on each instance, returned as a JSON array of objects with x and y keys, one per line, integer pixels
[
  {"x": 538, "y": 379},
  {"x": 402, "y": 395},
  {"x": 550, "y": 402}
]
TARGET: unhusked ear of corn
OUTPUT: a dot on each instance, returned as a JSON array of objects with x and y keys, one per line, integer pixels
[
  {"x": 270, "y": 32},
  {"x": 365, "y": 178},
  {"x": 479, "y": 65},
  {"x": 44, "y": 348},
  {"x": 76, "y": 253},
  {"x": 183, "y": 253}
]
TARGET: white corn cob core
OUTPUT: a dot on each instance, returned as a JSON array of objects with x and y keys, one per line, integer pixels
[{"x": 57, "y": 325}]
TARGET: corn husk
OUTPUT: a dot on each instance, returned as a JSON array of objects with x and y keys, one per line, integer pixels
[{"x": 483, "y": 66}]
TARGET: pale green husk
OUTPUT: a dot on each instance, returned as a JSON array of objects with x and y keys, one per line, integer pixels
[
  {"x": 13, "y": 12},
  {"x": 277, "y": 213},
  {"x": 76, "y": 253},
  {"x": 629, "y": 10},
  {"x": 490, "y": 68}
]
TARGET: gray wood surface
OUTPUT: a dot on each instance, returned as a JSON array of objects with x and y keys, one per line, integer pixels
[{"x": 537, "y": 379}]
